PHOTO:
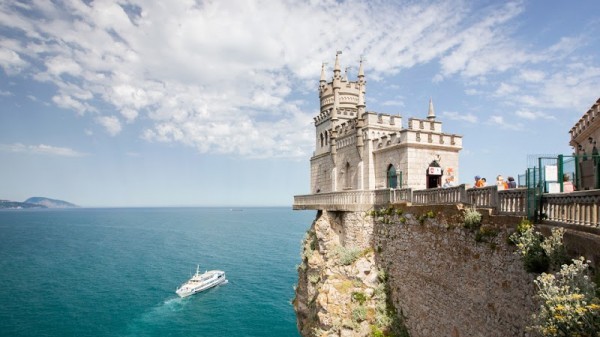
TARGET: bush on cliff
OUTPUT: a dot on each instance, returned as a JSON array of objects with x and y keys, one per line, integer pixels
[
  {"x": 472, "y": 218},
  {"x": 347, "y": 256}
]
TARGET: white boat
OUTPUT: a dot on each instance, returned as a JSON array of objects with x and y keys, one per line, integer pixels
[{"x": 200, "y": 282}]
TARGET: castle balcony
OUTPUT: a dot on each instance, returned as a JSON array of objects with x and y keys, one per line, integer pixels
[{"x": 580, "y": 209}]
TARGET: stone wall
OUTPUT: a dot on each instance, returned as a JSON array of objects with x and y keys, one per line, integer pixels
[
  {"x": 448, "y": 284},
  {"x": 440, "y": 279}
]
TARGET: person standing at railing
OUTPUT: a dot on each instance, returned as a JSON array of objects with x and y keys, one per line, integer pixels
[
  {"x": 567, "y": 184},
  {"x": 449, "y": 182},
  {"x": 479, "y": 182},
  {"x": 501, "y": 183},
  {"x": 511, "y": 183}
]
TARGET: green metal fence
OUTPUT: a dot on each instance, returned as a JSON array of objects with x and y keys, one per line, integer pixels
[{"x": 551, "y": 173}]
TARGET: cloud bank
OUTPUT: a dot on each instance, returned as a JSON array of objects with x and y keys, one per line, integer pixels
[{"x": 231, "y": 77}]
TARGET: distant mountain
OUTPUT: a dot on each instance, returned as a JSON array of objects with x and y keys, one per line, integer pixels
[
  {"x": 49, "y": 203},
  {"x": 17, "y": 205}
]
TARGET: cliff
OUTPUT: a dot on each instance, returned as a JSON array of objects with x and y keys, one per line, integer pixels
[{"x": 411, "y": 271}]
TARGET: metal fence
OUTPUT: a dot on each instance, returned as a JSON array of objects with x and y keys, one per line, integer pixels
[{"x": 557, "y": 174}]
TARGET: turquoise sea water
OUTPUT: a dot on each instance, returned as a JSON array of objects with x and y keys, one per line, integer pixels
[{"x": 113, "y": 272}]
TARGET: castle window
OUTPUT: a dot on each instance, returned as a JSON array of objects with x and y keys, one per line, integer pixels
[
  {"x": 348, "y": 182},
  {"x": 321, "y": 139},
  {"x": 392, "y": 178}
]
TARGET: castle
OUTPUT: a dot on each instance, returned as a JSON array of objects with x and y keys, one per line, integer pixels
[{"x": 356, "y": 149}]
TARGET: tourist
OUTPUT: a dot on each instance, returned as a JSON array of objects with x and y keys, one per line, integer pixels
[
  {"x": 449, "y": 182},
  {"x": 567, "y": 184},
  {"x": 502, "y": 185},
  {"x": 478, "y": 182},
  {"x": 483, "y": 182},
  {"x": 512, "y": 183}
]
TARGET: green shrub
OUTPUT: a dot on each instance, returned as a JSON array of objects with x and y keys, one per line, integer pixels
[
  {"x": 347, "y": 256},
  {"x": 359, "y": 314},
  {"x": 399, "y": 212},
  {"x": 359, "y": 297},
  {"x": 529, "y": 246},
  {"x": 484, "y": 234},
  {"x": 555, "y": 249},
  {"x": 569, "y": 305},
  {"x": 375, "y": 332},
  {"x": 472, "y": 218}
]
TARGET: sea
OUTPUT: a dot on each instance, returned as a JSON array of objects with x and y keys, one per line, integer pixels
[{"x": 113, "y": 272}]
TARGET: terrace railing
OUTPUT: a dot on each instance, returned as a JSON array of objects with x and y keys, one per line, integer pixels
[
  {"x": 512, "y": 201},
  {"x": 449, "y": 195},
  {"x": 576, "y": 208}
]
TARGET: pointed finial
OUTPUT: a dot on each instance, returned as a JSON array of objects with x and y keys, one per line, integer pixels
[
  {"x": 361, "y": 72},
  {"x": 337, "y": 61},
  {"x": 431, "y": 113},
  {"x": 346, "y": 74},
  {"x": 323, "y": 78}
]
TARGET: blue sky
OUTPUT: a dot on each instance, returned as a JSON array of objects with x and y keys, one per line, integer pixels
[{"x": 139, "y": 103}]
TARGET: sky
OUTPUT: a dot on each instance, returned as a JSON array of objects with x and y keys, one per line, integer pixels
[{"x": 210, "y": 103}]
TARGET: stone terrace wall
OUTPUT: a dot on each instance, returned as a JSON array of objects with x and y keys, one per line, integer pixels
[{"x": 447, "y": 284}]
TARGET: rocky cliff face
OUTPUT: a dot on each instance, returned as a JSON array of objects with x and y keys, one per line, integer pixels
[
  {"x": 341, "y": 291},
  {"x": 413, "y": 269}
]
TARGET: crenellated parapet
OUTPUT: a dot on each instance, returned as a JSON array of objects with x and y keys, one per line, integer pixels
[
  {"x": 323, "y": 116},
  {"x": 412, "y": 137},
  {"x": 383, "y": 120},
  {"x": 586, "y": 121},
  {"x": 424, "y": 124}
]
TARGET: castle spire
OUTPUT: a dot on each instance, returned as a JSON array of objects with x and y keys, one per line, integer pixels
[
  {"x": 323, "y": 79},
  {"x": 361, "y": 72},
  {"x": 337, "y": 62},
  {"x": 431, "y": 113}
]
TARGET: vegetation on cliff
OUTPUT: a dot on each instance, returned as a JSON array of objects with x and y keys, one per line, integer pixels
[
  {"x": 341, "y": 291},
  {"x": 569, "y": 302}
]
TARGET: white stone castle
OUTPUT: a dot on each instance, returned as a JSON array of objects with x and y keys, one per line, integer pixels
[{"x": 358, "y": 149}]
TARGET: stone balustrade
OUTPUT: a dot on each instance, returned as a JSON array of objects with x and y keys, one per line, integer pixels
[
  {"x": 450, "y": 195},
  {"x": 512, "y": 201},
  {"x": 336, "y": 201},
  {"x": 576, "y": 208}
]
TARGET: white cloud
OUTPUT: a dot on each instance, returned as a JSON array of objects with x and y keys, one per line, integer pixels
[
  {"x": 110, "y": 123},
  {"x": 40, "y": 149},
  {"x": 533, "y": 115},
  {"x": 469, "y": 118},
  {"x": 535, "y": 76},
  {"x": 506, "y": 89},
  {"x": 10, "y": 61},
  {"x": 499, "y": 121},
  {"x": 6, "y": 93},
  {"x": 68, "y": 102},
  {"x": 224, "y": 76},
  {"x": 397, "y": 102}
]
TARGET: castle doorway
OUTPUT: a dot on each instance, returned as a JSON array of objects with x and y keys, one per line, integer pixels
[
  {"x": 434, "y": 175},
  {"x": 392, "y": 177}
]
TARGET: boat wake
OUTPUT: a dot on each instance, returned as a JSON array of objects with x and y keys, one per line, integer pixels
[{"x": 156, "y": 318}]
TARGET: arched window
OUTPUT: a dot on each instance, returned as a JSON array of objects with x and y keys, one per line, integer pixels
[
  {"x": 321, "y": 139},
  {"x": 326, "y": 137},
  {"x": 392, "y": 178},
  {"x": 348, "y": 182}
]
